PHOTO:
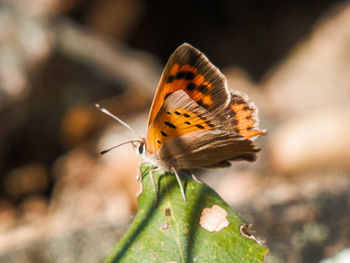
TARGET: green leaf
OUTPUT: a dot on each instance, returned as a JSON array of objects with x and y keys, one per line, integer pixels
[{"x": 173, "y": 230}]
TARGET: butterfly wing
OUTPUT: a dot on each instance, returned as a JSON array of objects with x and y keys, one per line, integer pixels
[
  {"x": 189, "y": 70},
  {"x": 206, "y": 149},
  {"x": 184, "y": 135},
  {"x": 179, "y": 115},
  {"x": 241, "y": 116}
]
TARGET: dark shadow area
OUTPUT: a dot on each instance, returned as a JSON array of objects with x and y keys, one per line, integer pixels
[
  {"x": 251, "y": 34},
  {"x": 193, "y": 220}
]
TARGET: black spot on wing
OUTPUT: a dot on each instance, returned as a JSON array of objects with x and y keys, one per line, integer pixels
[
  {"x": 186, "y": 115},
  {"x": 189, "y": 75},
  {"x": 187, "y": 122},
  {"x": 180, "y": 75},
  {"x": 199, "y": 126},
  {"x": 201, "y": 103},
  {"x": 170, "y": 79},
  {"x": 170, "y": 125},
  {"x": 190, "y": 86},
  {"x": 211, "y": 125},
  {"x": 177, "y": 113},
  {"x": 163, "y": 133},
  {"x": 203, "y": 89}
]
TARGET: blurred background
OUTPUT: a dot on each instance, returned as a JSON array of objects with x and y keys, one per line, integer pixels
[{"x": 60, "y": 202}]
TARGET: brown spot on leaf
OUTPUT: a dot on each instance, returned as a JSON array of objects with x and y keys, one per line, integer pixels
[
  {"x": 167, "y": 212},
  {"x": 214, "y": 218}
]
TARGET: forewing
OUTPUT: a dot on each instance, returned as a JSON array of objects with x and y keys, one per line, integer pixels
[
  {"x": 178, "y": 116},
  {"x": 189, "y": 70}
]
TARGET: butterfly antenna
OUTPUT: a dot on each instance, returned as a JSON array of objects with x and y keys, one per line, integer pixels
[
  {"x": 98, "y": 106},
  {"x": 106, "y": 151}
]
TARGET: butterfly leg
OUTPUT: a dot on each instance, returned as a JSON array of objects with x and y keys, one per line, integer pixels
[
  {"x": 154, "y": 182},
  {"x": 140, "y": 185},
  {"x": 180, "y": 184},
  {"x": 139, "y": 179},
  {"x": 196, "y": 179}
]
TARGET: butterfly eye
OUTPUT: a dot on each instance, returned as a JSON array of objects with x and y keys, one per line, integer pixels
[{"x": 141, "y": 148}]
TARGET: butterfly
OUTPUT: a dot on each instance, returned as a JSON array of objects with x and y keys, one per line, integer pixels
[{"x": 195, "y": 120}]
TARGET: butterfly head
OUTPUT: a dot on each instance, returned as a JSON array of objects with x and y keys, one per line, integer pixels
[{"x": 140, "y": 146}]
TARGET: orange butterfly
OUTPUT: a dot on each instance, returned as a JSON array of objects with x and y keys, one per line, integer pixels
[{"x": 195, "y": 120}]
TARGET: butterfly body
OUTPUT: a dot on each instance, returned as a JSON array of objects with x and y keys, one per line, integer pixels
[{"x": 195, "y": 120}]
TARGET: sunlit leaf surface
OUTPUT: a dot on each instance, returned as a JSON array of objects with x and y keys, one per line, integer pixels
[{"x": 203, "y": 229}]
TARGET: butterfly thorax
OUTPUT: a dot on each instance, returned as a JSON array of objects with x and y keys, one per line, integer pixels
[{"x": 150, "y": 158}]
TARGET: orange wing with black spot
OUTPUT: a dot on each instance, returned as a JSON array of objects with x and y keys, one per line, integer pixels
[
  {"x": 241, "y": 116},
  {"x": 189, "y": 70},
  {"x": 179, "y": 115}
]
